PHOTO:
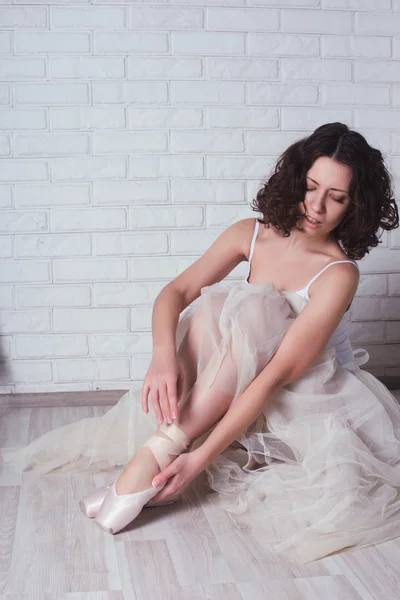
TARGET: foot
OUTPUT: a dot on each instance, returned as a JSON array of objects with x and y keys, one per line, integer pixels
[
  {"x": 118, "y": 510},
  {"x": 90, "y": 504},
  {"x": 144, "y": 466},
  {"x": 138, "y": 473},
  {"x": 119, "y": 506}
]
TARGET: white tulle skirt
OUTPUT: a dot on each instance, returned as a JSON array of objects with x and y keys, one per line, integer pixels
[{"x": 319, "y": 469}]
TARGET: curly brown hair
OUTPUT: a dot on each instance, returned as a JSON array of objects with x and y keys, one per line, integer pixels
[{"x": 372, "y": 205}]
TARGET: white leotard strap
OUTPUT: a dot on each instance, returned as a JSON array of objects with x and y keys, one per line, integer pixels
[
  {"x": 253, "y": 241},
  {"x": 324, "y": 269}
]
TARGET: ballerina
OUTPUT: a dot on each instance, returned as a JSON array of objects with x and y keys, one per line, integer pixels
[{"x": 256, "y": 382}]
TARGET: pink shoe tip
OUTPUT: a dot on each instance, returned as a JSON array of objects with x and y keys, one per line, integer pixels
[
  {"x": 118, "y": 510},
  {"x": 83, "y": 507},
  {"x": 106, "y": 529}
]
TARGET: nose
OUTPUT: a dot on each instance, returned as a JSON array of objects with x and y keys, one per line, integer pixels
[{"x": 318, "y": 204}]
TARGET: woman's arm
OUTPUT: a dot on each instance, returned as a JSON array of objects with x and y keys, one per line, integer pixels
[
  {"x": 305, "y": 339},
  {"x": 166, "y": 310},
  {"x": 224, "y": 254}
]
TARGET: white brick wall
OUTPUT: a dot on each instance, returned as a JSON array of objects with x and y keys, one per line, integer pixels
[{"x": 132, "y": 134}]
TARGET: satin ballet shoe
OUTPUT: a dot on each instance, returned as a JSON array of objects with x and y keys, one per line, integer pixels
[
  {"x": 118, "y": 510},
  {"x": 171, "y": 500},
  {"x": 90, "y": 504}
]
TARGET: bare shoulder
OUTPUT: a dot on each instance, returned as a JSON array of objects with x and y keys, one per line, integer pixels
[
  {"x": 240, "y": 235},
  {"x": 229, "y": 249},
  {"x": 339, "y": 281},
  {"x": 242, "y": 231},
  {"x": 342, "y": 268},
  {"x": 245, "y": 228},
  {"x": 346, "y": 271}
]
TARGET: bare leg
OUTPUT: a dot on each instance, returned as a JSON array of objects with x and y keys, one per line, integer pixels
[{"x": 199, "y": 410}]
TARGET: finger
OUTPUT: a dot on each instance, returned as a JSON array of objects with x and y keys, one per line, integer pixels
[
  {"x": 167, "y": 491},
  {"x": 156, "y": 403},
  {"x": 173, "y": 401},
  {"x": 163, "y": 476},
  {"x": 159, "y": 479},
  {"x": 144, "y": 399},
  {"x": 164, "y": 401}
]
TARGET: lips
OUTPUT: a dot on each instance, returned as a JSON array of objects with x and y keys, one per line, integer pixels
[{"x": 311, "y": 217}]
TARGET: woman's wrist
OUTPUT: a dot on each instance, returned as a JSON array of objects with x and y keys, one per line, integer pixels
[
  {"x": 164, "y": 350},
  {"x": 202, "y": 456}
]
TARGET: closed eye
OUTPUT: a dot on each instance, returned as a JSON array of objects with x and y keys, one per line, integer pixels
[{"x": 340, "y": 200}]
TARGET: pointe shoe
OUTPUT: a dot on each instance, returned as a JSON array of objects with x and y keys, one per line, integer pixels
[
  {"x": 118, "y": 510},
  {"x": 171, "y": 500},
  {"x": 90, "y": 504}
]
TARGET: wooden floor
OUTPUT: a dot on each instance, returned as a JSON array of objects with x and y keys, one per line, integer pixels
[{"x": 50, "y": 551}]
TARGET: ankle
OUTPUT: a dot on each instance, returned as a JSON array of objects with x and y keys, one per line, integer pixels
[
  {"x": 138, "y": 474},
  {"x": 154, "y": 456}
]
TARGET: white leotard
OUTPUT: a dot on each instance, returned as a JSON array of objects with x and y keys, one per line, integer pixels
[{"x": 339, "y": 339}]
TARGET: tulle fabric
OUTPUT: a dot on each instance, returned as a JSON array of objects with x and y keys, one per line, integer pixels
[
  {"x": 319, "y": 469},
  {"x": 241, "y": 329}
]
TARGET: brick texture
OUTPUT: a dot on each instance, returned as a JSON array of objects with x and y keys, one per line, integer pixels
[{"x": 134, "y": 133}]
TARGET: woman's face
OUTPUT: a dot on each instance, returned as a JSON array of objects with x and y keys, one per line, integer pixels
[{"x": 327, "y": 197}]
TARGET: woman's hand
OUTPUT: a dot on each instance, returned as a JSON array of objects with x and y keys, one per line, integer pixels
[
  {"x": 179, "y": 473},
  {"x": 163, "y": 381}
]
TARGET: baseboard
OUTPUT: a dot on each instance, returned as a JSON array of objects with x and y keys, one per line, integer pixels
[
  {"x": 391, "y": 382},
  {"x": 102, "y": 397}
]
